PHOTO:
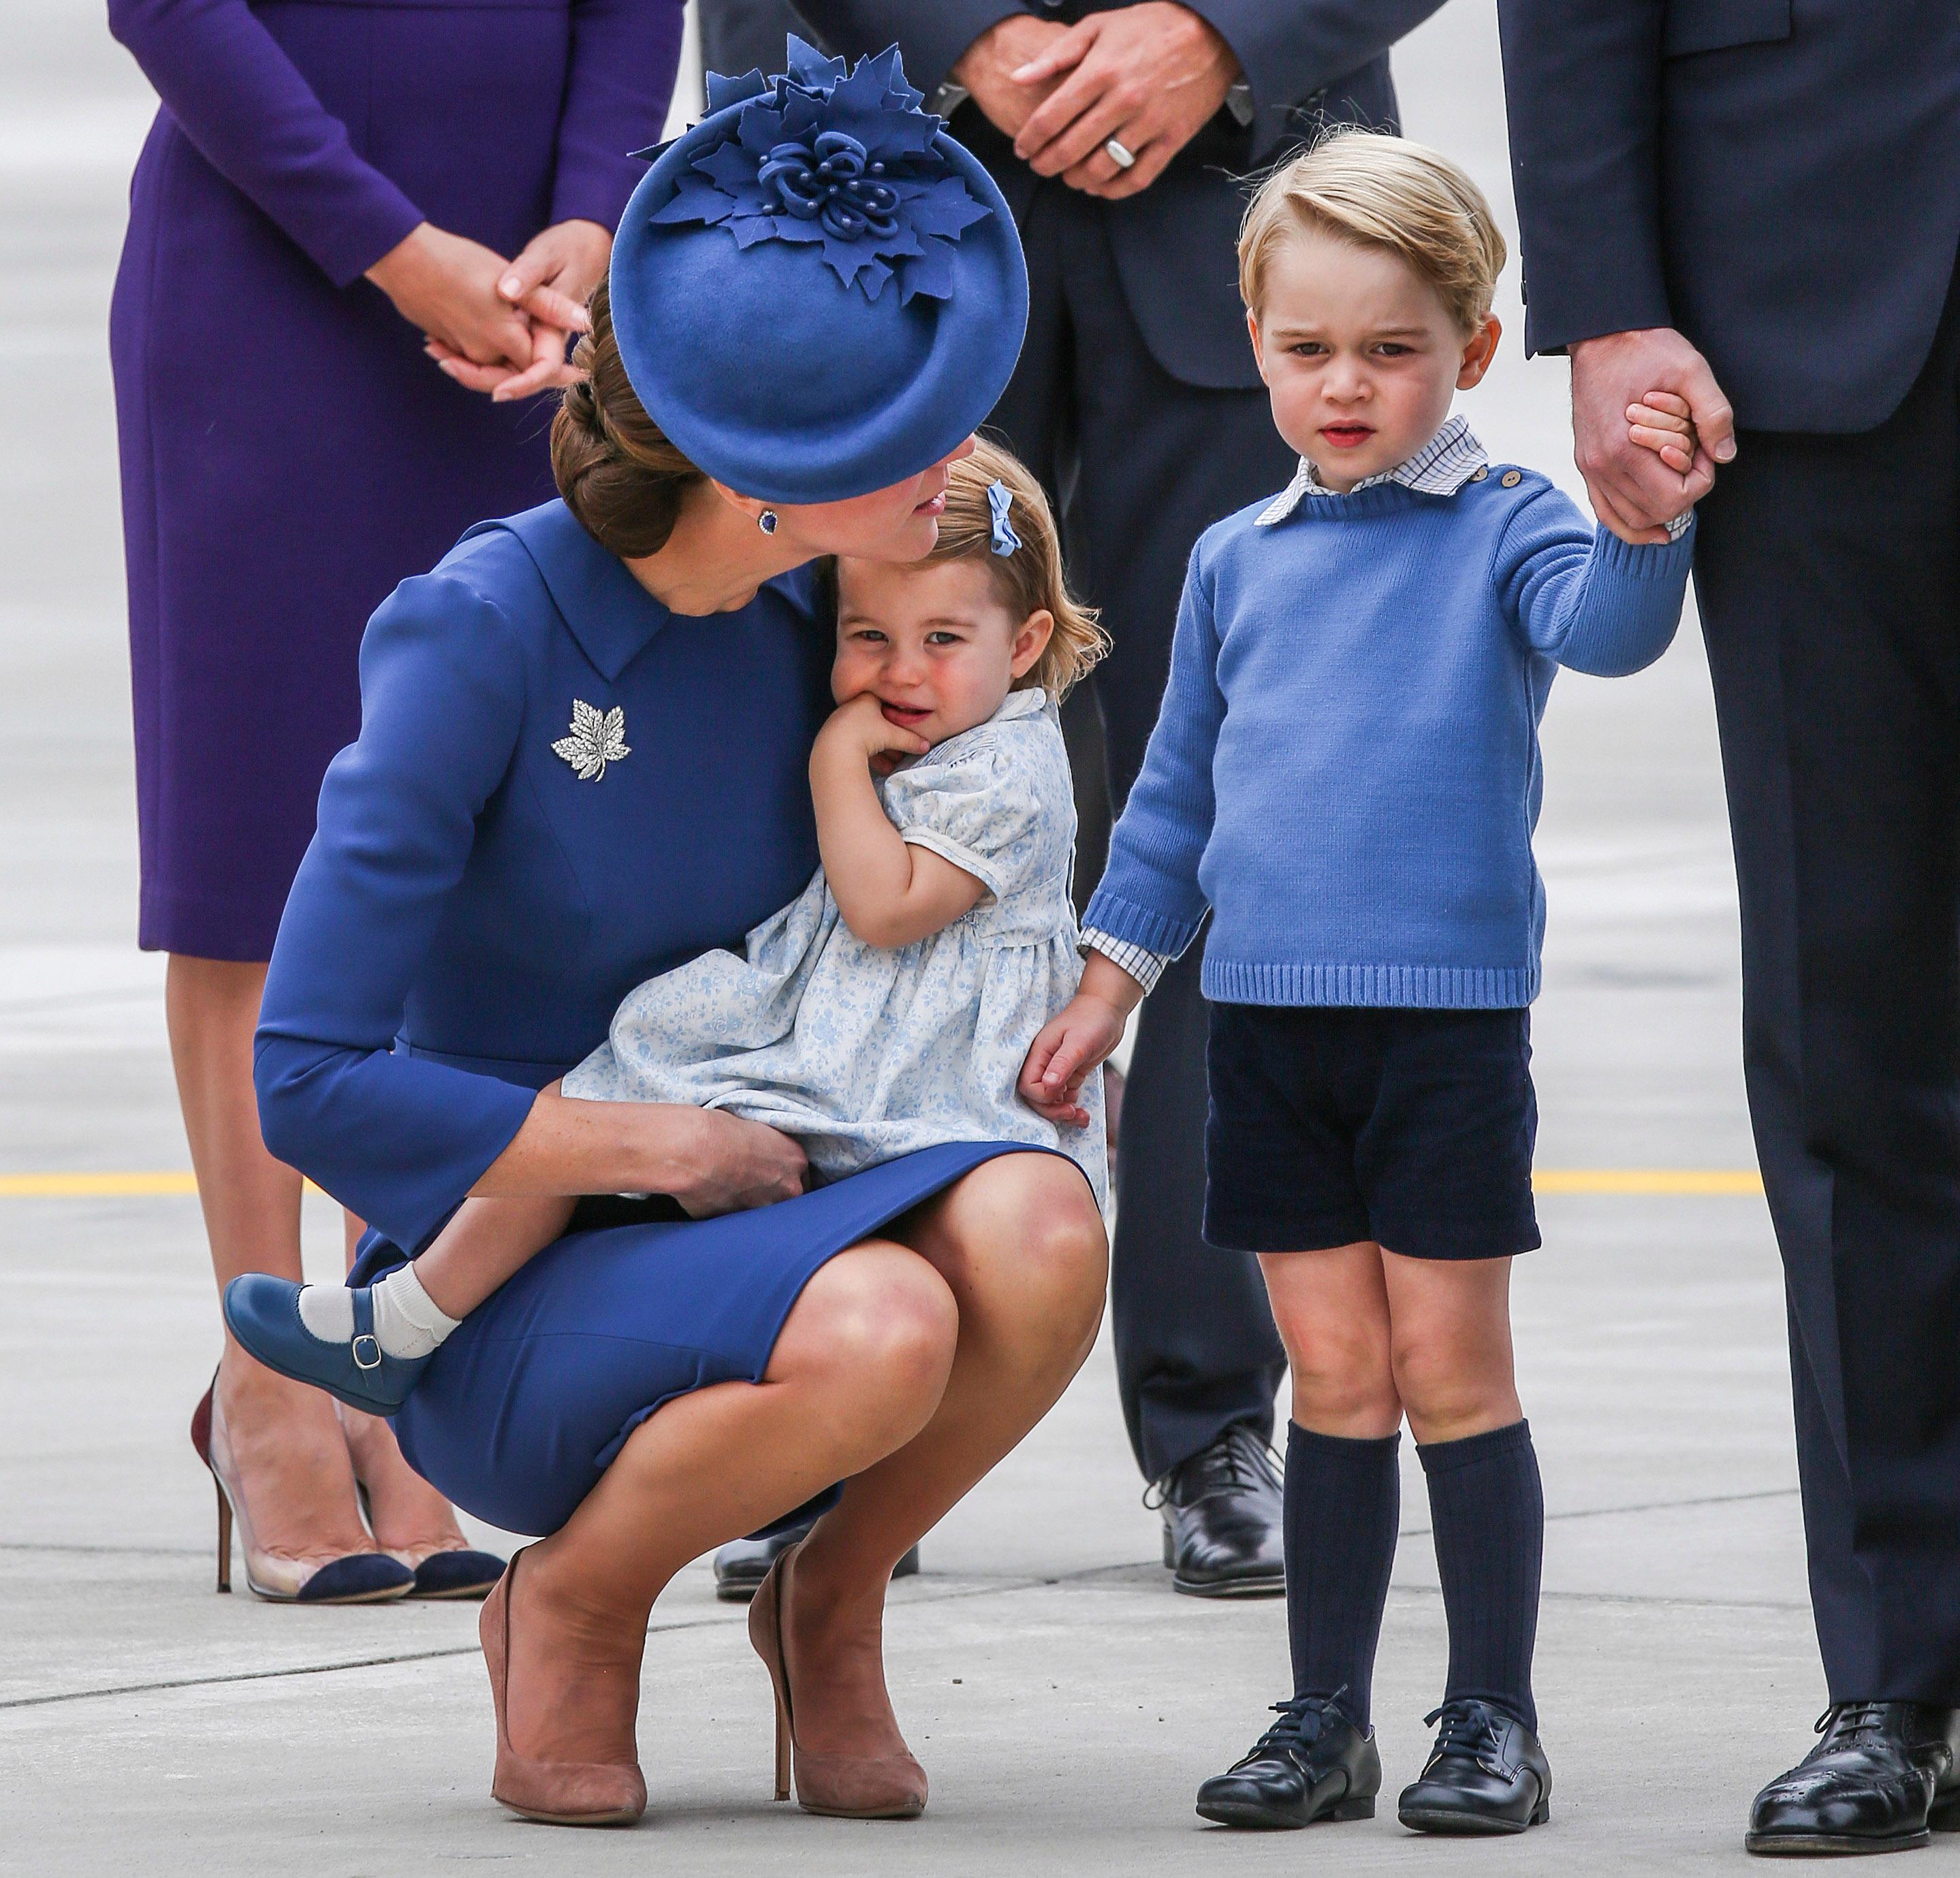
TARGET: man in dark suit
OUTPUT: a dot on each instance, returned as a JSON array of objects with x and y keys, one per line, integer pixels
[
  {"x": 1759, "y": 200},
  {"x": 1120, "y": 135}
]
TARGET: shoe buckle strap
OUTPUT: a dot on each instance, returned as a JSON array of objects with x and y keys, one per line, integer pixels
[{"x": 367, "y": 1346}]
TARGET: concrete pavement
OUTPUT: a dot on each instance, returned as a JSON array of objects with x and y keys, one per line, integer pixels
[{"x": 1064, "y": 1701}]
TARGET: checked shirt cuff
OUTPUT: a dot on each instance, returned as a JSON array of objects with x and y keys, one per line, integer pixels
[{"x": 1143, "y": 965}]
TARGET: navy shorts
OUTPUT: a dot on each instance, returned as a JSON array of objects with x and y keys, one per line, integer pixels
[{"x": 1330, "y": 1125}]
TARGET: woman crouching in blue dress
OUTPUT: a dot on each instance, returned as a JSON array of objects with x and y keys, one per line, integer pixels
[{"x": 582, "y": 762}]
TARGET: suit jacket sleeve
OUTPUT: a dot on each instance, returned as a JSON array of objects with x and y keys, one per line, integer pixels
[
  {"x": 398, "y": 1139},
  {"x": 1290, "y": 51},
  {"x": 1583, "y": 80},
  {"x": 619, "y": 83},
  {"x": 250, "y": 111},
  {"x": 932, "y": 35}
]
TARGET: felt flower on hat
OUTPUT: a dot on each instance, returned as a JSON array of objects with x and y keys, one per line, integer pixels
[{"x": 843, "y": 160}]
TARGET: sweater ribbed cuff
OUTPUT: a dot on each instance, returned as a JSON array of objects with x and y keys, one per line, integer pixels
[
  {"x": 1646, "y": 560},
  {"x": 1155, "y": 931},
  {"x": 1421, "y": 987}
]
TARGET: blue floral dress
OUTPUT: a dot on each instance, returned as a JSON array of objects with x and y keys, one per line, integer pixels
[{"x": 865, "y": 1053}]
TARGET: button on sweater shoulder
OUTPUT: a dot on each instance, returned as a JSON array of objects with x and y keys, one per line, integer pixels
[{"x": 1346, "y": 768}]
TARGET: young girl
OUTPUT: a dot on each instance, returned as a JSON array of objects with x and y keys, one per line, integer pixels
[
  {"x": 890, "y": 1007},
  {"x": 1345, "y": 773}
]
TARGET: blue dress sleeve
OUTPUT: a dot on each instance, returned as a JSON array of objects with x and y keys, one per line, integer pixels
[
  {"x": 1581, "y": 595},
  {"x": 399, "y": 1140}
]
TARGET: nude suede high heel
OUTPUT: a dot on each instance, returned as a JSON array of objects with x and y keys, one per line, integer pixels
[
  {"x": 843, "y": 1786},
  {"x": 557, "y": 1793}
]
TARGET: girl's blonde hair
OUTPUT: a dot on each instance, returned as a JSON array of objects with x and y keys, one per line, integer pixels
[
  {"x": 1380, "y": 192},
  {"x": 1030, "y": 579}
]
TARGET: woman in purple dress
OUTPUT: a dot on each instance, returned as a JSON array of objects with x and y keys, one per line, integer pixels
[{"x": 359, "y": 234}]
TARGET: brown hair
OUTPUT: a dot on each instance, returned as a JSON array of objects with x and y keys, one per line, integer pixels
[
  {"x": 1379, "y": 192},
  {"x": 613, "y": 463},
  {"x": 1030, "y": 579}
]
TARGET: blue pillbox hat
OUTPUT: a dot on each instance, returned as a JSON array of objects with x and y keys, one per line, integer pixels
[{"x": 815, "y": 292}]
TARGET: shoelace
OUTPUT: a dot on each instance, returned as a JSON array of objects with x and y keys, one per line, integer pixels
[
  {"x": 1847, "y": 1723},
  {"x": 1471, "y": 1729},
  {"x": 1239, "y": 1461},
  {"x": 1302, "y": 1720}
]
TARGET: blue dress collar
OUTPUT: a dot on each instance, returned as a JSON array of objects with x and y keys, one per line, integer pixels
[{"x": 613, "y": 616}]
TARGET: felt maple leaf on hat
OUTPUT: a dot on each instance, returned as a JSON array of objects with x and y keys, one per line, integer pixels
[{"x": 844, "y": 160}]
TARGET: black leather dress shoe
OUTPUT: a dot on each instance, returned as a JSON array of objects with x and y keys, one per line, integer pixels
[
  {"x": 741, "y": 1566},
  {"x": 1486, "y": 1774},
  {"x": 1223, "y": 1529},
  {"x": 1885, "y": 1777},
  {"x": 1312, "y": 1764}
]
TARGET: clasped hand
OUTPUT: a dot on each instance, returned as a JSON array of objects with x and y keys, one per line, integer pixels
[
  {"x": 1150, "y": 75},
  {"x": 496, "y": 326}
]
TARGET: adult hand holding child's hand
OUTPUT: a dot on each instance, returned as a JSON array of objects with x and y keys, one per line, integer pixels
[{"x": 1635, "y": 490}]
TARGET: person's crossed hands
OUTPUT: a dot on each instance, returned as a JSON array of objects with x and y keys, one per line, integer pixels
[
  {"x": 1650, "y": 427},
  {"x": 1150, "y": 75},
  {"x": 497, "y": 326}
]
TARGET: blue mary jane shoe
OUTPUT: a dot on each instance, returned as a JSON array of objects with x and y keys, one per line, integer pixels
[{"x": 263, "y": 1313}]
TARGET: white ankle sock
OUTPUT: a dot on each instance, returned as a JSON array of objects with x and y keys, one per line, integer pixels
[{"x": 407, "y": 1322}]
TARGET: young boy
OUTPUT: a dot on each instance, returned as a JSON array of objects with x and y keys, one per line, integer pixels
[{"x": 1345, "y": 774}]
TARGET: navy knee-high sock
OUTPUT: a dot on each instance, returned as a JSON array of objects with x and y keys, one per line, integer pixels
[
  {"x": 1488, "y": 1508},
  {"x": 1343, "y": 1508}
]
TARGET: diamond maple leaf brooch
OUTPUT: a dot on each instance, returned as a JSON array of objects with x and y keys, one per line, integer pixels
[{"x": 598, "y": 738}]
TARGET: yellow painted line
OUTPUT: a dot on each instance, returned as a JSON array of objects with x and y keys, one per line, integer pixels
[
  {"x": 1691, "y": 1181},
  {"x": 1682, "y": 1181}
]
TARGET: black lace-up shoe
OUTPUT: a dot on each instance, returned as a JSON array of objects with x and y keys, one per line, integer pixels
[
  {"x": 1487, "y": 1774},
  {"x": 1882, "y": 1779},
  {"x": 1312, "y": 1764},
  {"x": 1224, "y": 1526},
  {"x": 742, "y": 1564}
]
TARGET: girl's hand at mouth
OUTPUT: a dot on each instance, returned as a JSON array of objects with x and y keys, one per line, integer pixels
[{"x": 859, "y": 725}]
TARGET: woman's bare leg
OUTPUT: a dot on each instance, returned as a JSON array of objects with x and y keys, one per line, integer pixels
[
  {"x": 285, "y": 1445},
  {"x": 860, "y": 1367},
  {"x": 1020, "y": 1245}
]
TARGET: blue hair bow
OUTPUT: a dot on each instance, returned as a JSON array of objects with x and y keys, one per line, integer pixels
[{"x": 999, "y": 499}]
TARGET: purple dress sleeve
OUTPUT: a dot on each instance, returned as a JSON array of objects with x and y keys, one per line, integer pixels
[
  {"x": 624, "y": 56},
  {"x": 255, "y": 119}
]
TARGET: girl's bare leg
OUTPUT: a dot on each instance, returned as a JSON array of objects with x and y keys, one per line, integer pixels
[
  {"x": 1020, "y": 1246},
  {"x": 284, "y": 1442},
  {"x": 859, "y": 1368},
  {"x": 1452, "y": 1332}
]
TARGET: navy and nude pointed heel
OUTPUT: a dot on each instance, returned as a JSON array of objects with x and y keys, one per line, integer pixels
[
  {"x": 359, "y": 1578},
  {"x": 263, "y": 1313}
]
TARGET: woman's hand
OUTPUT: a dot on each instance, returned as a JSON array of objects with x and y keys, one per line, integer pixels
[
  {"x": 447, "y": 285},
  {"x": 549, "y": 282},
  {"x": 859, "y": 729},
  {"x": 720, "y": 1164}
]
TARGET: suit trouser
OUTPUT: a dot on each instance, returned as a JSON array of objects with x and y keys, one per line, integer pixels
[
  {"x": 1140, "y": 465},
  {"x": 741, "y": 36},
  {"x": 1829, "y": 575}
]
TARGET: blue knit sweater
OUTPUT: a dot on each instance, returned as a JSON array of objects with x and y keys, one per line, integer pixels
[{"x": 1346, "y": 768}]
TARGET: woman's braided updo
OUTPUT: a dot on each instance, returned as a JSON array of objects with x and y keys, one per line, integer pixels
[{"x": 613, "y": 463}]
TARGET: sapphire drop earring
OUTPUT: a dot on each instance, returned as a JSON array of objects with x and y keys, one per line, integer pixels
[{"x": 766, "y": 521}]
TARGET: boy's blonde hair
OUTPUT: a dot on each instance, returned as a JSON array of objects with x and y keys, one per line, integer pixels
[
  {"x": 1030, "y": 579},
  {"x": 1381, "y": 191}
]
